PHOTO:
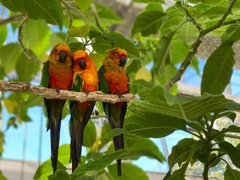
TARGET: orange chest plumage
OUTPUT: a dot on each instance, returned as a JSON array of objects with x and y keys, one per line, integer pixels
[
  {"x": 60, "y": 77},
  {"x": 118, "y": 82}
]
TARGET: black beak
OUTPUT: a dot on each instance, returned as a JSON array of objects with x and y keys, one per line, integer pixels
[
  {"x": 82, "y": 64},
  {"x": 62, "y": 56},
  {"x": 123, "y": 61}
]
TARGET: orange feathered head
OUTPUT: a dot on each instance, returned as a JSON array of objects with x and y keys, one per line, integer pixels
[
  {"x": 117, "y": 56},
  {"x": 60, "y": 54},
  {"x": 81, "y": 60}
]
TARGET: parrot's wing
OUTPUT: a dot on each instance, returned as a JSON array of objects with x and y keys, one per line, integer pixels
[
  {"x": 76, "y": 86},
  {"x": 45, "y": 75},
  {"x": 103, "y": 85}
]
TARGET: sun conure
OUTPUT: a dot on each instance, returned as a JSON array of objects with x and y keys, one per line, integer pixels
[
  {"x": 114, "y": 80},
  {"x": 85, "y": 79},
  {"x": 57, "y": 74}
]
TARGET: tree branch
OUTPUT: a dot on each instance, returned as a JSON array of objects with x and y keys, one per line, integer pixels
[
  {"x": 198, "y": 41},
  {"x": 64, "y": 94},
  {"x": 11, "y": 19}
]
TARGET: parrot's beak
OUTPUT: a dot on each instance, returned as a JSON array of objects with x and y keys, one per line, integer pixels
[
  {"x": 63, "y": 56},
  {"x": 123, "y": 61},
  {"x": 82, "y": 64}
]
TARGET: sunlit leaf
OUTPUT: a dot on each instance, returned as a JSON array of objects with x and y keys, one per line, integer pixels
[
  {"x": 26, "y": 69},
  {"x": 9, "y": 55},
  {"x": 90, "y": 134},
  {"x": 218, "y": 70},
  {"x": 79, "y": 31},
  {"x": 143, "y": 73},
  {"x": 50, "y": 11},
  {"x": 232, "y": 34},
  {"x": 149, "y": 124},
  {"x": 129, "y": 172},
  {"x": 147, "y": 23},
  {"x": 162, "y": 56},
  {"x": 84, "y": 4},
  {"x": 45, "y": 170}
]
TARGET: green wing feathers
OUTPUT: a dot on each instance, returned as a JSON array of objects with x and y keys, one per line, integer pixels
[
  {"x": 45, "y": 75},
  {"x": 103, "y": 86}
]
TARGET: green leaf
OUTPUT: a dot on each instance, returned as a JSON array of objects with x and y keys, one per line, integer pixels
[
  {"x": 100, "y": 163},
  {"x": 50, "y": 11},
  {"x": 84, "y": 4},
  {"x": 173, "y": 20},
  {"x": 232, "y": 34},
  {"x": 231, "y": 174},
  {"x": 149, "y": 124},
  {"x": 187, "y": 33},
  {"x": 148, "y": 22},
  {"x": 141, "y": 87},
  {"x": 104, "y": 138},
  {"x": 60, "y": 175},
  {"x": 149, "y": 1},
  {"x": 218, "y": 70},
  {"x": 112, "y": 40},
  {"x": 8, "y": 56},
  {"x": 122, "y": 42},
  {"x": 90, "y": 134},
  {"x": 162, "y": 56},
  {"x": 153, "y": 7},
  {"x": 36, "y": 35},
  {"x": 140, "y": 146},
  {"x": 3, "y": 32},
  {"x": 2, "y": 177},
  {"x": 232, "y": 152},
  {"x": 129, "y": 172},
  {"x": 74, "y": 46},
  {"x": 180, "y": 151},
  {"x": 45, "y": 170},
  {"x": 107, "y": 15},
  {"x": 81, "y": 31},
  {"x": 214, "y": 12},
  {"x": 64, "y": 154},
  {"x": 181, "y": 107},
  {"x": 26, "y": 69}
]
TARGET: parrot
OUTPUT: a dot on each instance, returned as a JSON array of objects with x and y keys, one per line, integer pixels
[
  {"x": 85, "y": 79},
  {"x": 114, "y": 80},
  {"x": 57, "y": 74}
]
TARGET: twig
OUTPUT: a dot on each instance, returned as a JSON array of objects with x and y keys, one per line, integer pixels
[
  {"x": 64, "y": 94},
  {"x": 96, "y": 17},
  {"x": 70, "y": 17},
  {"x": 196, "y": 44},
  {"x": 13, "y": 18},
  {"x": 25, "y": 50},
  {"x": 79, "y": 13}
]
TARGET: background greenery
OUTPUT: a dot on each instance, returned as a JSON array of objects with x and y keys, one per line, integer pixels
[{"x": 160, "y": 37}]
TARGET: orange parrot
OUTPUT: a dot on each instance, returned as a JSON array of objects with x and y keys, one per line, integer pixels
[
  {"x": 114, "y": 80},
  {"x": 85, "y": 79},
  {"x": 57, "y": 74}
]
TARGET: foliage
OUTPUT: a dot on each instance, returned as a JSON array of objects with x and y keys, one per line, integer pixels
[{"x": 160, "y": 38}]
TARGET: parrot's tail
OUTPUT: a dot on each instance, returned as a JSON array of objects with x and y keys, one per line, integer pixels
[
  {"x": 55, "y": 127},
  {"x": 118, "y": 144},
  {"x": 76, "y": 144}
]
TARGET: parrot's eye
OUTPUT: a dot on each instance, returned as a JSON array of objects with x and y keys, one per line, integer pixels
[{"x": 116, "y": 54}]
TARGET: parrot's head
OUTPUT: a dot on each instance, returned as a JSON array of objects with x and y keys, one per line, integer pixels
[
  {"x": 117, "y": 56},
  {"x": 61, "y": 54},
  {"x": 81, "y": 60}
]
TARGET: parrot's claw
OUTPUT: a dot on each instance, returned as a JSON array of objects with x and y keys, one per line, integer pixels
[
  {"x": 87, "y": 92},
  {"x": 119, "y": 95},
  {"x": 57, "y": 90}
]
